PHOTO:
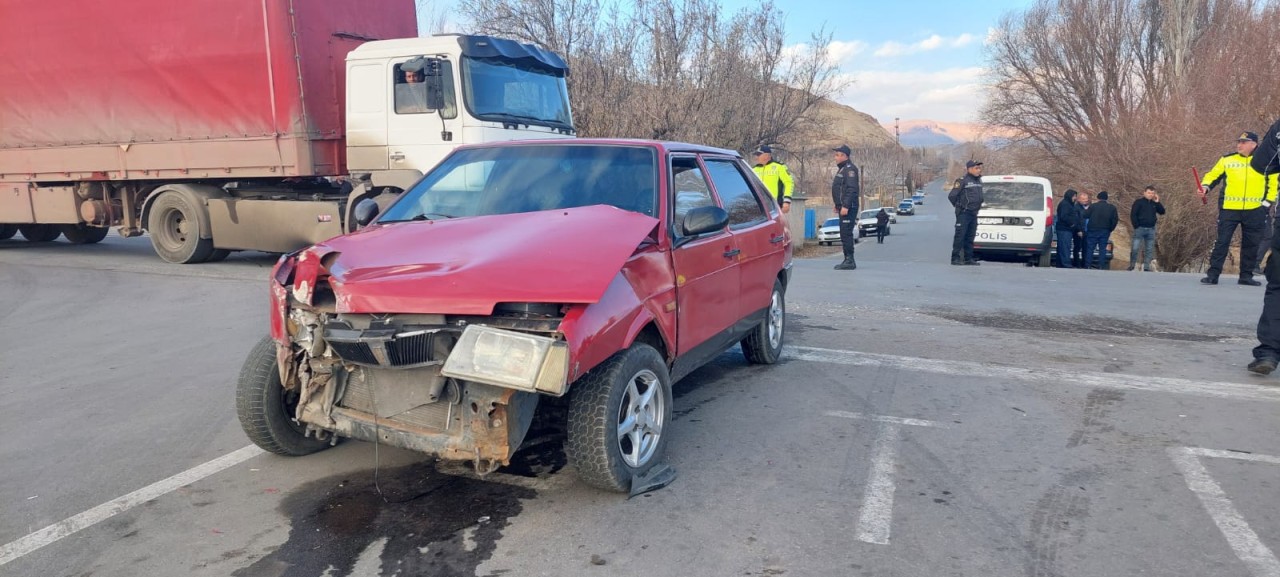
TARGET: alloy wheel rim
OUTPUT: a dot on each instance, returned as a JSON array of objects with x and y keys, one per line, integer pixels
[
  {"x": 641, "y": 416},
  {"x": 775, "y": 321}
]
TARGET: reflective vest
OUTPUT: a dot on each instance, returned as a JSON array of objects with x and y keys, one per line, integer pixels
[
  {"x": 776, "y": 178},
  {"x": 1245, "y": 188}
]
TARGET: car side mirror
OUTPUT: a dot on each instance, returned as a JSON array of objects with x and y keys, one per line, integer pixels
[
  {"x": 366, "y": 210},
  {"x": 704, "y": 219}
]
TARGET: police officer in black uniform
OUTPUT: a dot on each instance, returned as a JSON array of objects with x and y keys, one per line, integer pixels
[
  {"x": 966, "y": 196},
  {"x": 1266, "y": 160},
  {"x": 846, "y": 193}
]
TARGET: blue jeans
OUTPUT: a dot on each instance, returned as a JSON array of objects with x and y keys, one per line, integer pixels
[
  {"x": 1143, "y": 237},
  {"x": 1096, "y": 240},
  {"x": 1065, "y": 238}
]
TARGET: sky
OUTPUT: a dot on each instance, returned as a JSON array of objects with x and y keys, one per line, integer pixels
[
  {"x": 911, "y": 59},
  {"x": 908, "y": 59}
]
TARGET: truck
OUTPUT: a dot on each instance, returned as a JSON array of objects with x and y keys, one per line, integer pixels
[{"x": 225, "y": 125}]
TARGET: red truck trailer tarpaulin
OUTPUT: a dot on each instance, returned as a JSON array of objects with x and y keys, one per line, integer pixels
[{"x": 81, "y": 75}]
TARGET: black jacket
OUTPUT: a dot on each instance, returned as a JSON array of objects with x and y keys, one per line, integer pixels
[
  {"x": 1266, "y": 158},
  {"x": 1069, "y": 217},
  {"x": 845, "y": 192},
  {"x": 966, "y": 193},
  {"x": 1143, "y": 214},
  {"x": 882, "y": 218},
  {"x": 1102, "y": 216}
]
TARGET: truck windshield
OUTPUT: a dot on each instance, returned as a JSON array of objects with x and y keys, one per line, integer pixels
[
  {"x": 1012, "y": 196},
  {"x": 513, "y": 179},
  {"x": 498, "y": 90}
]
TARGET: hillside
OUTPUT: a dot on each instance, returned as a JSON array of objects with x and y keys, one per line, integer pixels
[
  {"x": 933, "y": 133},
  {"x": 839, "y": 124}
]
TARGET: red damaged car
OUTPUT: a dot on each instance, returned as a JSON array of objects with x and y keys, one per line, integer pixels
[{"x": 586, "y": 273}]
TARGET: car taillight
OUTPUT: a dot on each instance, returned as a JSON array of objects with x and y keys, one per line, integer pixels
[{"x": 1048, "y": 204}]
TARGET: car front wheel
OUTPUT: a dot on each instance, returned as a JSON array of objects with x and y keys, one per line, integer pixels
[
  {"x": 266, "y": 408},
  {"x": 618, "y": 418}
]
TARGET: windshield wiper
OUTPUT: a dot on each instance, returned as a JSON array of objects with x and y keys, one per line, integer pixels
[
  {"x": 424, "y": 216},
  {"x": 525, "y": 117}
]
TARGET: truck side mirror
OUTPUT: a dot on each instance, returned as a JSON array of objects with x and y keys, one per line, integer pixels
[
  {"x": 435, "y": 84},
  {"x": 366, "y": 210}
]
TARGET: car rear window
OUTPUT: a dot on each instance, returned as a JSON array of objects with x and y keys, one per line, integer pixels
[{"x": 1013, "y": 195}]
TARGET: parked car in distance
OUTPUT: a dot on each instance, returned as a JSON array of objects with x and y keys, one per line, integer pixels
[
  {"x": 867, "y": 222},
  {"x": 906, "y": 207},
  {"x": 829, "y": 232},
  {"x": 917, "y": 198},
  {"x": 584, "y": 276}
]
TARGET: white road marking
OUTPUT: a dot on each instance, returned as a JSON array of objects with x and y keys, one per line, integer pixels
[
  {"x": 885, "y": 419},
  {"x": 114, "y": 507},
  {"x": 1243, "y": 541},
  {"x": 1060, "y": 377},
  {"x": 877, "y": 502},
  {"x": 876, "y": 519}
]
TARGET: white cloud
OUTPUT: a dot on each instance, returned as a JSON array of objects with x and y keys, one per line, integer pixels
[
  {"x": 839, "y": 52},
  {"x": 933, "y": 42},
  {"x": 952, "y": 95}
]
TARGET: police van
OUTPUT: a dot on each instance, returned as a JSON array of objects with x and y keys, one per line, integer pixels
[{"x": 1016, "y": 220}]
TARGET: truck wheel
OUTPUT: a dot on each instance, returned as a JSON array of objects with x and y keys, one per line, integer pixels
[
  {"x": 764, "y": 345},
  {"x": 175, "y": 230},
  {"x": 39, "y": 232},
  {"x": 266, "y": 409},
  {"x": 7, "y": 231},
  {"x": 617, "y": 418},
  {"x": 83, "y": 233}
]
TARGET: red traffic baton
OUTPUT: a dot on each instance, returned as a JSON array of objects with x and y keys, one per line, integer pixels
[{"x": 1204, "y": 199}]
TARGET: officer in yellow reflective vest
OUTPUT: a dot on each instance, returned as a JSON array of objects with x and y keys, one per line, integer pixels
[
  {"x": 775, "y": 177},
  {"x": 1246, "y": 196}
]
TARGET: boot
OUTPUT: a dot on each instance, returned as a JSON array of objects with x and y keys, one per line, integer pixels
[
  {"x": 1209, "y": 280},
  {"x": 848, "y": 264},
  {"x": 1248, "y": 281},
  {"x": 1130, "y": 266},
  {"x": 1262, "y": 366}
]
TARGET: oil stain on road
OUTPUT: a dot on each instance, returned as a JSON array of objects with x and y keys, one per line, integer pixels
[{"x": 421, "y": 522}]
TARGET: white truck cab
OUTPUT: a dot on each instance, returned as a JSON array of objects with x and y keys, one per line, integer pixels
[{"x": 410, "y": 101}]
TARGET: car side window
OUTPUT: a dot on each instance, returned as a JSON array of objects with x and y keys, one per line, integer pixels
[
  {"x": 735, "y": 192},
  {"x": 689, "y": 188}
]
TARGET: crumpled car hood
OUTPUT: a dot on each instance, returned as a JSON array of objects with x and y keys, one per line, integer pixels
[{"x": 468, "y": 265}]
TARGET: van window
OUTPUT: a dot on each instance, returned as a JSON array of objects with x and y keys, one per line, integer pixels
[{"x": 1002, "y": 195}]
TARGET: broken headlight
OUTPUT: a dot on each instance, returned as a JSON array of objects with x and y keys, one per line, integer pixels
[{"x": 510, "y": 359}]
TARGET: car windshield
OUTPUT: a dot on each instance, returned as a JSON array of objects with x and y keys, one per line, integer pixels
[
  {"x": 831, "y": 222},
  {"x": 513, "y": 179},
  {"x": 499, "y": 90},
  {"x": 905, "y": 203},
  {"x": 870, "y": 213},
  {"x": 1002, "y": 195}
]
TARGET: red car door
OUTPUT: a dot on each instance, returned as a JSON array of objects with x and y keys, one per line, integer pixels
[
  {"x": 706, "y": 269},
  {"x": 762, "y": 238}
]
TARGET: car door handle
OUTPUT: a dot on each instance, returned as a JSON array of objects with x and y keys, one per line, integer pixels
[
  {"x": 732, "y": 253},
  {"x": 778, "y": 239},
  {"x": 397, "y": 156}
]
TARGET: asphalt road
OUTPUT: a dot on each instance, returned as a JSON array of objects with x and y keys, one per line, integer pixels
[{"x": 928, "y": 420}]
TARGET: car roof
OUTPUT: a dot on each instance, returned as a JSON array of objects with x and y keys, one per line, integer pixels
[
  {"x": 1016, "y": 178},
  {"x": 661, "y": 145}
]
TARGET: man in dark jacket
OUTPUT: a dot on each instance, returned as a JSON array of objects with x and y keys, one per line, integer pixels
[
  {"x": 1143, "y": 217},
  {"x": 966, "y": 197},
  {"x": 1266, "y": 160},
  {"x": 845, "y": 194},
  {"x": 1103, "y": 219},
  {"x": 882, "y": 225},
  {"x": 1067, "y": 227},
  {"x": 1077, "y": 250}
]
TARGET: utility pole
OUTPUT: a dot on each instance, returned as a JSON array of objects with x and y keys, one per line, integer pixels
[{"x": 897, "y": 132}]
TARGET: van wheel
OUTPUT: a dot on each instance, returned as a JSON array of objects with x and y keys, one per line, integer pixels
[
  {"x": 1045, "y": 257},
  {"x": 618, "y": 417},
  {"x": 39, "y": 232},
  {"x": 83, "y": 233},
  {"x": 175, "y": 230}
]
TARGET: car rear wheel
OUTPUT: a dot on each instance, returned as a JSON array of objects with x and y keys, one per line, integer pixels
[
  {"x": 39, "y": 232},
  {"x": 617, "y": 418},
  {"x": 266, "y": 408},
  {"x": 763, "y": 346}
]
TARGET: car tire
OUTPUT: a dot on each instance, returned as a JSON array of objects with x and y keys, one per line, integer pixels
[
  {"x": 39, "y": 232},
  {"x": 603, "y": 401},
  {"x": 83, "y": 233},
  {"x": 175, "y": 230},
  {"x": 1045, "y": 257},
  {"x": 763, "y": 346},
  {"x": 266, "y": 409}
]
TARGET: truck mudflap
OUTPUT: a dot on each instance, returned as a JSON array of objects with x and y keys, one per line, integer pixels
[{"x": 420, "y": 410}]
